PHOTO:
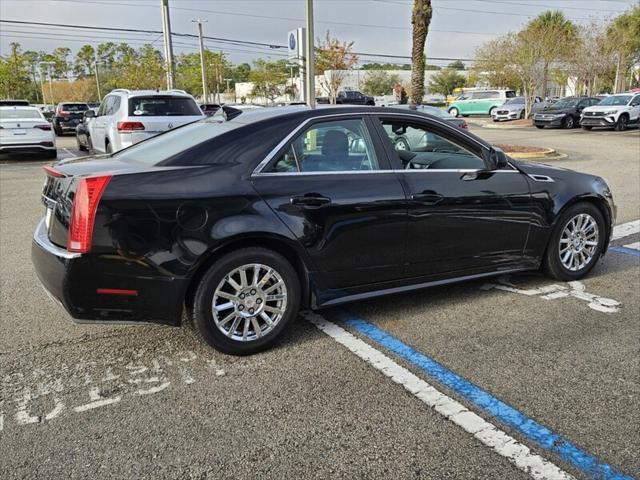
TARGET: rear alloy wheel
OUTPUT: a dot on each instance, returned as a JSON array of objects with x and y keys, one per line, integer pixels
[
  {"x": 621, "y": 124},
  {"x": 576, "y": 244},
  {"x": 245, "y": 301},
  {"x": 454, "y": 111},
  {"x": 568, "y": 122}
]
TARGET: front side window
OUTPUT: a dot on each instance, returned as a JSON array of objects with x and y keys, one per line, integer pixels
[
  {"x": 418, "y": 148},
  {"x": 336, "y": 146}
]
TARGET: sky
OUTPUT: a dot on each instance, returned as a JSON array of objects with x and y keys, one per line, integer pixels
[{"x": 377, "y": 27}]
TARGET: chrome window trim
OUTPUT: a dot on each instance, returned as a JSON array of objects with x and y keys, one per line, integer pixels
[
  {"x": 287, "y": 139},
  {"x": 369, "y": 172}
]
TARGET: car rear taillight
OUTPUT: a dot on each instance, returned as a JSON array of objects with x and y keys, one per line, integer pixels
[
  {"x": 83, "y": 213},
  {"x": 130, "y": 126},
  {"x": 43, "y": 127},
  {"x": 63, "y": 113}
]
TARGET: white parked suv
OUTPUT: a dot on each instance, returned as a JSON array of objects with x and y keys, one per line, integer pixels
[
  {"x": 25, "y": 130},
  {"x": 615, "y": 111},
  {"x": 126, "y": 117}
]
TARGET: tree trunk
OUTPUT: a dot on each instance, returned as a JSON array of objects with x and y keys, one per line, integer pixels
[{"x": 420, "y": 19}]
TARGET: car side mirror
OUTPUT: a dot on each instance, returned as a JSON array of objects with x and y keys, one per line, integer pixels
[
  {"x": 497, "y": 159},
  {"x": 89, "y": 114}
]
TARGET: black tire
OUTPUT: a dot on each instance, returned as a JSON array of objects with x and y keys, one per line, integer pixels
[
  {"x": 552, "y": 264},
  {"x": 202, "y": 315},
  {"x": 107, "y": 147},
  {"x": 454, "y": 112},
  {"x": 491, "y": 110},
  {"x": 587, "y": 127},
  {"x": 540, "y": 126},
  {"x": 81, "y": 147},
  {"x": 622, "y": 123},
  {"x": 51, "y": 154},
  {"x": 496, "y": 120},
  {"x": 522, "y": 115},
  {"x": 58, "y": 131},
  {"x": 569, "y": 122}
]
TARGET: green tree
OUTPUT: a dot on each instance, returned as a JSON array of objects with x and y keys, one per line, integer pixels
[
  {"x": 623, "y": 40},
  {"x": 189, "y": 74},
  {"x": 268, "y": 79},
  {"x": 445, "y": 81},
  {"x": 84, "y": 62},
  {"x": 240, "y": 73},
  {"x": 380, "y": 83},
  {"x": 62, "y": 66},
  {"x": 14, "y": 75},
  {"x": 457, "y": 65},
  {"x": 555, "y": 37},
  {"x": 420, "y": 19}
]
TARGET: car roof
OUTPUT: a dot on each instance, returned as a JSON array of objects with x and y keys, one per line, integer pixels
[
  {"x": 21, "y": 107},
  {"x": 150, "y": 93}
]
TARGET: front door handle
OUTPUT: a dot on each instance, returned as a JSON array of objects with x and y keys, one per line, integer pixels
[
  {"x": 310, "y": 201},
  {"x": 427, "y": 198}
]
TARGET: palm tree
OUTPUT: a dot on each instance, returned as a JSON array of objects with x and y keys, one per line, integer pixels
[
  {"x": 420, "y": 19},
  {"x": 558, "y": 36},
  {"x": 623, "y": 38}
]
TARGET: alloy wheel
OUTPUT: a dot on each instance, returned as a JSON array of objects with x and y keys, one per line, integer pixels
[
  {"x": 578, "y": 242},
  {"x": 249, "y": 302}
]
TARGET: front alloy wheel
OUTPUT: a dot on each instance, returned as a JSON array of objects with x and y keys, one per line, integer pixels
[
  {"x": 576, "y": 243},
  {"x": 245, "y": 300},
  {"x": 568, "y": 122}
]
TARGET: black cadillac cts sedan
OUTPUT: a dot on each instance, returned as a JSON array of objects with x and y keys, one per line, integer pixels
[{"x": 243, "y": 221}]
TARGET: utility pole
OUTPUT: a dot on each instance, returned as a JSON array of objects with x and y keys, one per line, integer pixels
[
  {"x": 205, "y": 93},
  {"x": 168, "y": 46},
  {"x": 44, "y": 100},
  {"x": 309, "y": 71},
  {"x": 97, "y": 78}
]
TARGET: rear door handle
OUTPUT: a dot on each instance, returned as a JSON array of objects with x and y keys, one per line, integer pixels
[
  {"x": 310, "y": 201},
  {"x": 427, "y": 198}
]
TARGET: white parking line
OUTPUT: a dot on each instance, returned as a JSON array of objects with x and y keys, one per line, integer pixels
[
  {"x": 625, "y": 229},
  {"x": 72, "y": 154},
  {"x": 634, "y": 246},
  {"x": 485, "y": 432}
]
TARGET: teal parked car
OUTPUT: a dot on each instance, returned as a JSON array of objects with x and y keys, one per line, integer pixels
[{"x": 479, "y": 102}]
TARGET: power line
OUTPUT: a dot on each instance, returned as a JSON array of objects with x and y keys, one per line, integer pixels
[{"x": 557, "y": 7}]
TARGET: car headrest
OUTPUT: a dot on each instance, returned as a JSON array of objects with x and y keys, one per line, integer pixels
[{"x": 335, "y": 144}]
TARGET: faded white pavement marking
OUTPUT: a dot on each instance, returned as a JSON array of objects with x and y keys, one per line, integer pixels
[
  {"x": 69, "y": 152},
  {"x": 625, "y": 229},
  {"x": 634, "y": 246},
  {"x": 555, "y": 291},
  {"x": 485, "y": 432}
]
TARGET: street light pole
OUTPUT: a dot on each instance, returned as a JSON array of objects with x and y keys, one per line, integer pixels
[
  {"x": 205, "y": 93},
  {"x": 168, "y": 46},
  {"x": 309, "y": 71},
  {"x": 97, "y": 78}
]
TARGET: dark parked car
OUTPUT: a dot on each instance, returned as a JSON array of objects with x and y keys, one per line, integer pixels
[
  {"x": 351, "y": 97},
  {"x": 564, "y": 113},
  {"x": 83, "y": 139},
  {"x": 245, "y": 221},
  {"x": 67, "y": 117}
]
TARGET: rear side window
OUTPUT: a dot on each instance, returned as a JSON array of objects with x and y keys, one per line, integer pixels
[
  {"x": 158, "y": 106},
  {"x": 510, "y": 94},
  {"x": 75, "y": 107}
]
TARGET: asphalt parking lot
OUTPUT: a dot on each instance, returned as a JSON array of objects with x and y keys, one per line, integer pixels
[{"x": 513, "y": 377}]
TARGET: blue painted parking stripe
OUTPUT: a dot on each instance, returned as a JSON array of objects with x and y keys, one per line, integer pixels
[
  {"x": 628, "y": 251},
  {"x": 529, "y": 428}
]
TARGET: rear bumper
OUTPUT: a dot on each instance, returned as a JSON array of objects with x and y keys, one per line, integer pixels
[
  {"x": 73, "y": 280},
  {"x": 15, "y": 147},
  {"x": 67, "y": 124}
]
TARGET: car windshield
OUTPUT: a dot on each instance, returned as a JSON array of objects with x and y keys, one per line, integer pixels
[
  {"x": 11, "y": 113},
  {"x": 616, "y": 100},
  {"x": 159, "y": 106},
  {"x": 566, "y": 103},
  {"x": 75, "y": 107},
  {"x": 159, "y": 148},
  {"x": 515, "y": 100}
]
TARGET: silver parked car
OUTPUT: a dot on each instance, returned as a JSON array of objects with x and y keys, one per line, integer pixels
[{"x": 513, "y": 109}]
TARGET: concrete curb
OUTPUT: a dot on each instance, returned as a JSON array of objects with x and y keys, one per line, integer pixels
[
  {"x": 548, "y": 154},
  {"x": 504, "y": 126}
]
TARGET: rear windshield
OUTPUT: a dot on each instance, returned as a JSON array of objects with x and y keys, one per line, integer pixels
[
  {"x": 75, "y": 107},
  {"x": 157, "y": 106},
  {"x": 10, "y": 113},
  {"x": 162, "y": 147}
]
